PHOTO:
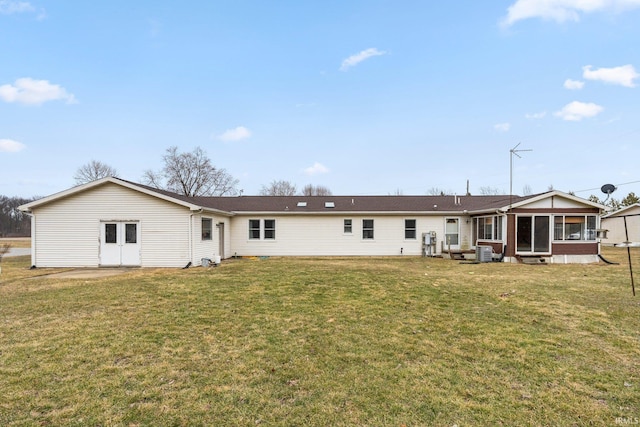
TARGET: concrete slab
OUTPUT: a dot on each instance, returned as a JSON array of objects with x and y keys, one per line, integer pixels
[{"x": 18, "y": 252}]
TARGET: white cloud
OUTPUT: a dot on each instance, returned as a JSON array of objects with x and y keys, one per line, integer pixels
[
  {"x": 562, "y": 10},
  {"x": 237, "y": 134},
  {"x": 576, "y": 111},
  {"x": 34, "y": 92},
  {"x": 624, "y": 75},
  {"x": 573, "y": 84},
  {"x": 316, "y": 169},
  {"x": 11, "y": 146},
  {"x": 7, "y": 7},
  {"x": 502, "y": 127},
  {"x": 354, "y": 60},
  {"x": 536, "y": 116}
]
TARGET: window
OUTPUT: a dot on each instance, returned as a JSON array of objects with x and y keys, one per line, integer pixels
[
  {"x": 254, "y": 229},
  {"x": 110, "y": 233},
  {"x": 489, "y": 228},
  {"x": 348, "y": 226},
  {"x": 485, "y": 228},
  {"x": 268, "y": 225},
  {"x": 367, "y": 229},
  {"x": 409, "y": 228},
  {"x": 269, "y": 228},
  {"x": 131, "y": 233},
  {"x": 498, "y": 229},
  {"x": 207, "y": 225},
  {"x": 451, "y": 232},
  {"x": 574, "y": 227}
]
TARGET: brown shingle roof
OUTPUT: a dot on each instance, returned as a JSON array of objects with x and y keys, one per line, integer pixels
[{"x": 318, "y": 204}]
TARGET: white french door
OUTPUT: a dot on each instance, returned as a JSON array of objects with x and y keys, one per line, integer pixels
[{"x": 119, "y": 243}]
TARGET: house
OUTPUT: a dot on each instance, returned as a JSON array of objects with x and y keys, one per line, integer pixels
[
  {"x": 614, "y": 223},
  {"x": 114, "y": 222}
]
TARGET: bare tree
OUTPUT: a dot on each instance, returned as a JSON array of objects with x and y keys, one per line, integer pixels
[
  {"x": 278, "y": 188},
  {"x": 490, "y": 191},
  {"x": 191, "y": 174},
  {"x": 526, "y": 190},
  {"x": 315, "y": 190},
  {"x": 435, "y": 191},
  {"x": 397, "y": 192},
  {"x": 92, "y": 171}
]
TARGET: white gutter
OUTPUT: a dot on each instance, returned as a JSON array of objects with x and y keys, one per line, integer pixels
[
  {"x": 33, "y": 239},
  {"x": 191, "y": 241}
]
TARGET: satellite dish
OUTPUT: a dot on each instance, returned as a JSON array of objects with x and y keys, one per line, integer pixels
[{"x": 608, "y": 189}]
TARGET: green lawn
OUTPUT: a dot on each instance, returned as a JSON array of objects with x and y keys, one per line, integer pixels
[{"x": 327, "y": 341}]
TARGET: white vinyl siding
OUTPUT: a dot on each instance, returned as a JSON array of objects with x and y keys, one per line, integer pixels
[
  {"x": 207, "y": 248},
  {"x": 68, "y": 230},
  {"x": 323, "y": 235}
]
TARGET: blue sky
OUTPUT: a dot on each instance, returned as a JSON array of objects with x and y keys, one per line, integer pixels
[{"x": 363, "y": 97}]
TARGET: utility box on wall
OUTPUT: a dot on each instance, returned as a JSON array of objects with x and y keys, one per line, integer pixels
[{"x": 429, "y": 243}]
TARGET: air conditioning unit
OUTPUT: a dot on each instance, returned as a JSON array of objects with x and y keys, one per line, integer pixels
[{"x": 484, "y": 253}]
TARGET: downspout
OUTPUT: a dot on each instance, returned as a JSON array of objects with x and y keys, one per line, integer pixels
[
  {"x": 199, "y": 211},
  {"x": 191, "y": 237},
  {"x": 33, "y": 239}
]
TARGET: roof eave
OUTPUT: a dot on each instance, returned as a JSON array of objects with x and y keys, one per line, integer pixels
[{"x": 28, "y": 207}]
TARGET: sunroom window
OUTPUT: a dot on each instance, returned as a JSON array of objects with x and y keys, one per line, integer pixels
[{"x": 574, "y": 227}]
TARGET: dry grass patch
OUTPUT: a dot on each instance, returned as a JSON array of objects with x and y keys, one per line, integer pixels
[
  {"x": 16, "y": 242},
  {"x": 337, "y": 341}
]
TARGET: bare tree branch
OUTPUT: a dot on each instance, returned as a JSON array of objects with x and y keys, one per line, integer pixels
[
  {"x": 191, "y": 174},
  {"x": 315, "y": 190},
  {"x": 278, "y": 188},
  {"x": 92, "y": 171}
]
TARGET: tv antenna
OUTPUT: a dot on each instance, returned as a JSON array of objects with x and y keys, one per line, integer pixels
[{"x": 513, "y": 152}]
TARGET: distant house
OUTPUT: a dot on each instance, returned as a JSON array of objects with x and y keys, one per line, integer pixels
[
  {"x": 113, "y": 222},
  {"x": 614, "y": 223}
]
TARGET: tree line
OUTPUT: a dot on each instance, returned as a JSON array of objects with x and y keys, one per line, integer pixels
[{"x": 13, "y": 222}]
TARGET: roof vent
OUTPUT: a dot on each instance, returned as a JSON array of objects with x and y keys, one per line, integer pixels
[
  {"x": 302, "y": 204},
  {"x": 329, "y": 204}
]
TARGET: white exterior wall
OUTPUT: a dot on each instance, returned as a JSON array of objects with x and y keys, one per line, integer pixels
[
  {"x": 210, "y": 248},
  {"x": 67, "y": 231},
  {"x": 323, "y": 235},
  {"x": 615, "y": 225},
  {"x": 556, "y": 202}
]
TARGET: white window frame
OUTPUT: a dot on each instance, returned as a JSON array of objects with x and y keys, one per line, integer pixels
[
  {"x": 585, "y": 234},
  {"x": 413, "y": 229},
  {"x": 271, "y": 231},
  {"x": 202, "y": 229},
  {"x": 496, "y": 227},
  {"x": 252, "y": 228},
  {"x": 262, "y": 229},
  {"x": 367, "y": 229}
]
